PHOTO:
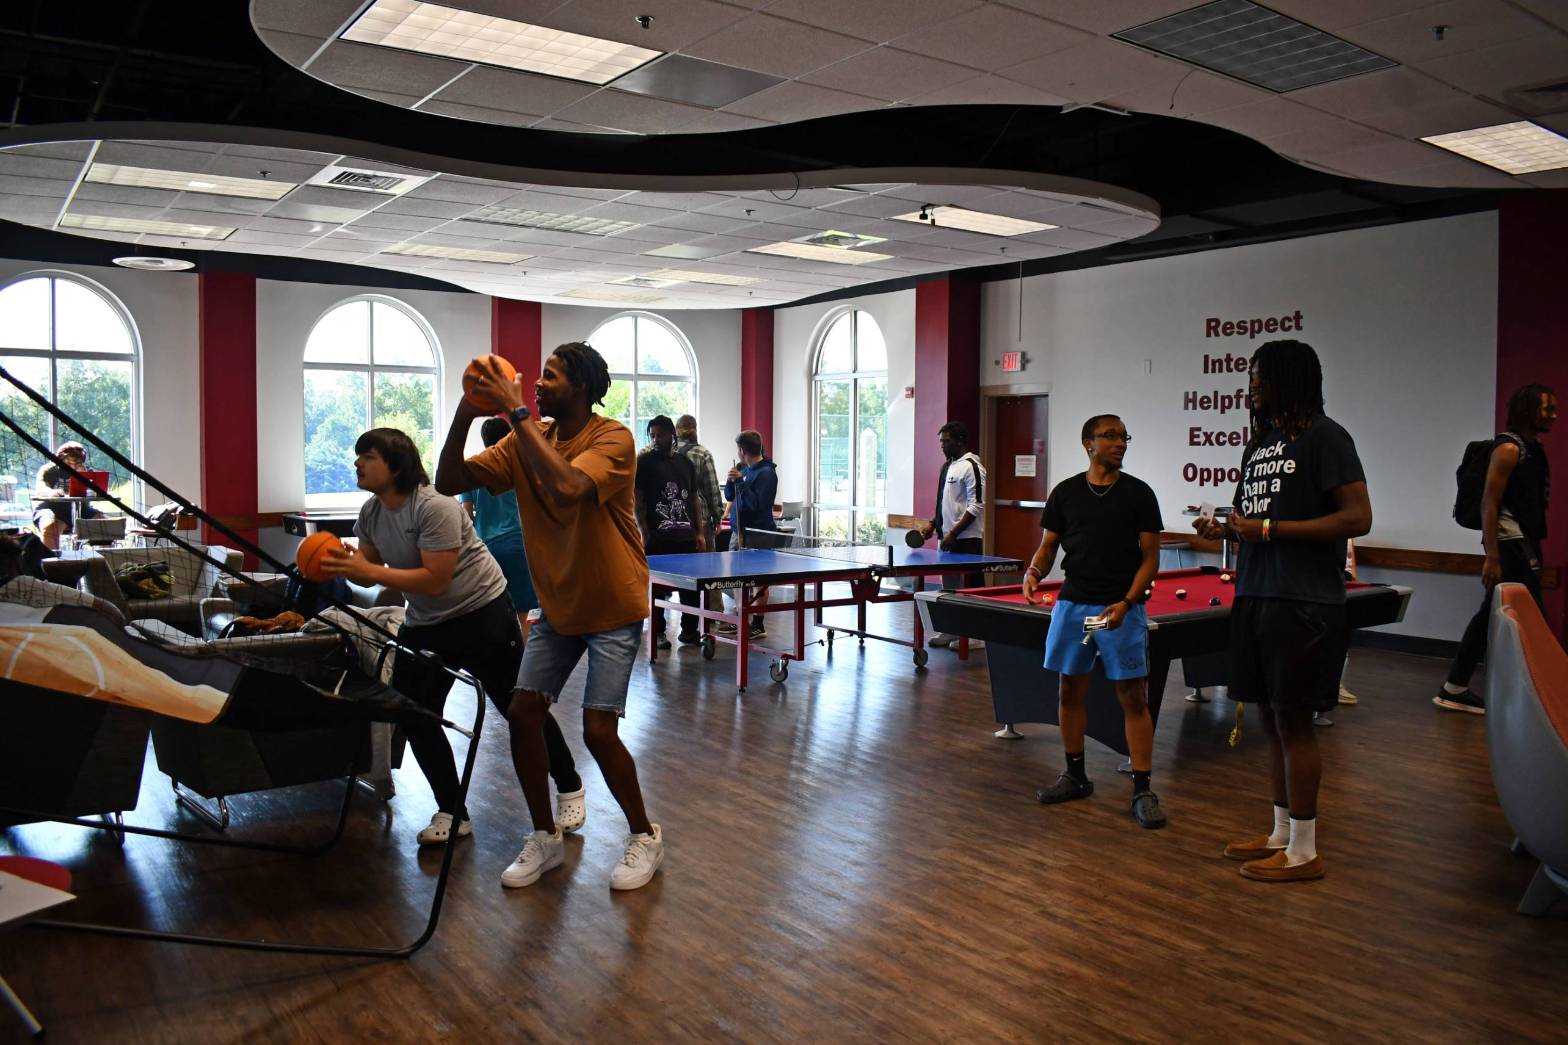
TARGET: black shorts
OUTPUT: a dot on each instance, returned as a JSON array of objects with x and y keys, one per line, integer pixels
[{"x": 1287, "y": 653}]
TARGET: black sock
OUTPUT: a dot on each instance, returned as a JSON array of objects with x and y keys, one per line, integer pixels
[
  {"x": 1075, "y": 767},
  {"x": 1140, "y": 781}
]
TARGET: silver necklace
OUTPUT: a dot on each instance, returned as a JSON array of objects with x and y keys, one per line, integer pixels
[{"x": 1099, "y": 493}]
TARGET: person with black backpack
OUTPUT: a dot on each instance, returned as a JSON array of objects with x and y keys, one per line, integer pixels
[{"x": 1508, "y": 506}]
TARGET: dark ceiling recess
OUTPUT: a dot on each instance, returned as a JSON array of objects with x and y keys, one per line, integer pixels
[{"x": 199, "y": 61}]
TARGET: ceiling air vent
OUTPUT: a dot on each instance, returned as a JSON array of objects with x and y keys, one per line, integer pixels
[
  {"x": 360, "y": 179},
  {"x": 842, "y": 240},
  {"x": 1539, "y": 99}
]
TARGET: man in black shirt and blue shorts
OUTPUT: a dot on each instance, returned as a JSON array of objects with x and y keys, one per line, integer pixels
[
  {"x": 1108, "y": 523},
  {"x": 1303, "y": 493}
]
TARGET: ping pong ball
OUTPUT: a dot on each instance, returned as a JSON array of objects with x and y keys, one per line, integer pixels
[{"x": 1181, "y": 593}]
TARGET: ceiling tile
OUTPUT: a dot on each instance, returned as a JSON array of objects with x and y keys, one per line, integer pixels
[
  {"x": 990, "y": 38},
  {"x": 874, "y": 20},
  {"x": 44, "y": 188},
  {"x": 801, "y": 101},
  {"x": 1271, "y": 118},
  {"x": 477, "y": 114},
  {"x": 673, "y": 201},
  {"x": 459, "y": 190},
  {"x": 889, "y": 74},
  {"x": 1553, "y": 11},
  {"x": 29, "y": 210},
  {"x": 629, "y": 112},
  {"x": 162, "y": 157},
  {"x": 348, "y": 64},
  {"x": 380, "y": 219},
  {"x": 617, "y": 211},
  {"x": 1099, "y": 17},
  {"x": 694, "y": 81},
  {"x": 988, "y": 90},
  {"x": 757, "y": 207},
  {"x": 402, "y": 101},
  {"x": 425, "y": 208},
  {"x": 1334, "y": 15},
  {"x": 291, "y": 47},
  {"x": 773, "y": 45},
  {"x": 1094, "y": 71},
  {"x": 674, "y": 27},
  {"x": 1460, "y": 113},
  {"x": 1492, "y": 71},
  {"x": 715, "y": 122},
  {"x": 318, "y": 18},
  {"x": 1193, "y": 93},
  {"x": 1472, "y": 24},
  {"x": 514, "y": 90}
]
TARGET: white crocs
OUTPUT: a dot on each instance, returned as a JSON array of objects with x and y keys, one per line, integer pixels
[
  {"x": 571, "y": 810},
  {"x": 440, "y": 830}
]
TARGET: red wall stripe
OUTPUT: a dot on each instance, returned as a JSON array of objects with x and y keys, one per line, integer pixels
[
  {"x": 947, "y": 375},
  {"x": 517, "y": 335},
  {"x": 226, "y": 328},
  {"x": 756, "y": 372}
]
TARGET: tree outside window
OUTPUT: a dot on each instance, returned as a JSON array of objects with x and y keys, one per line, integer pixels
[
  {"x": 75, "y": 345},
  {"x": 850, "y": 485},
  {"x": 652, "y": 371},
  {"x": 369, "y": 363}
]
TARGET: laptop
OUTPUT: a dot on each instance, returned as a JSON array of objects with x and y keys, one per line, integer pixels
[{"x": 78, "y": 488}]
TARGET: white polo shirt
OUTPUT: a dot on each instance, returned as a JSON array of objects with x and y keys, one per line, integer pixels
[{"x": 963, "y": 492}]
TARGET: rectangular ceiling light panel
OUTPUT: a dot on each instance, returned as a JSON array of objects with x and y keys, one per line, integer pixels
[
  {"x": 178, "y": 229},
  {"x": 537, "y": 219},
  {"x": 1517, "y": 148},
  {"x": 717, "y": 278},
  {"x": 184, "y": 181},
  {"x": 427, "y": 250},
  {"x": 813, "y": 252},
  {"x": 411, "y": 25},
  {"x": 1240, "y": 39},
  {"x": 974, "y": 221}
]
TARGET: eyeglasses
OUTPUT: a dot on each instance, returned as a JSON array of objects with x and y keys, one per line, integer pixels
[{"x": 1112, "y": 437}]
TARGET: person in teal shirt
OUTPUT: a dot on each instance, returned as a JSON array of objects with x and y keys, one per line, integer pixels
[{"x": 496, "y": 520}]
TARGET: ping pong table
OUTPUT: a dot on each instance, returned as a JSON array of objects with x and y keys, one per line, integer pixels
[{"x": 862, "y": 567}]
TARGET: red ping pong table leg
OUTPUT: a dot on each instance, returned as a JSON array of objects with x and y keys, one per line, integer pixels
[
  {"x": 653, "y": 640},
  {"x": 742, "y": 635},
  {"x": 800, "y": 620},
  {"x": 920, "y": 627}
]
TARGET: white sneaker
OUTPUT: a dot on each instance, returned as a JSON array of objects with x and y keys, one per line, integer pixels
[
  {"x": 440, "y": 830},
  {"x": 975, "y": 644},
  {"x": 542, "y": 851},
  {"x": 570, "y": 810},
  {"x": 939, "y": 640},
  {"x": 644, "y": 854}
]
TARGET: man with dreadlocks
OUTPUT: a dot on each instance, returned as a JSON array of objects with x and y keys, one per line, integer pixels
[
  {"x": 1302, "y": 495},
  {"x": 574, "y": 476},
  {"x": 1513, "y": 525}
]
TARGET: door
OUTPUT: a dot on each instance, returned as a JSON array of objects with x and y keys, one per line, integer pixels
[{"x": 1018, "y": 432}]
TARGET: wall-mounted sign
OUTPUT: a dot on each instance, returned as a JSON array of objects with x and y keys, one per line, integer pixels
[
  {"x": 1014, "y": 362},
  {"x": 1023, "y": 465}
]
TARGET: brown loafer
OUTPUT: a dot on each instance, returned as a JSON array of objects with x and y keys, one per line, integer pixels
[
  {"x": 1252, "y": 849},
  {"x": 1274, "y": 869}
]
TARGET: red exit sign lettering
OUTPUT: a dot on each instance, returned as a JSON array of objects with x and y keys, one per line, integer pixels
[{"x": 1012, "y": 362}]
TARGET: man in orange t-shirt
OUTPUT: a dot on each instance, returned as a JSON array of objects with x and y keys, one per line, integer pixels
[{"x": 574, "y": 480}]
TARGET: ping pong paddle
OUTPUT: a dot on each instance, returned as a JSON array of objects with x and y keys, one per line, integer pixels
[{"x": 913, "y": 538}]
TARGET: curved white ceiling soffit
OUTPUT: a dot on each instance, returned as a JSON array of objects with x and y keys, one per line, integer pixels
[
  {"x": 729, "y": 66},
  {"x": 587, "y": 238}
]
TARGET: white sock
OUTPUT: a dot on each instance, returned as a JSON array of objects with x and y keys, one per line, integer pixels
[
  {"x": 1453, "y": 690},
  {"x": 1281, "y": 834},
  {"x": 1303, "y": 842}
]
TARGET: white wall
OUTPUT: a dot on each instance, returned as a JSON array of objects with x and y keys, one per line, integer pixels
[
  {"x": 714, "y": 336},
  {"x": 796, "y": 332},
  {"x": 1403, "y": 317},
  {"x": 163, "y": 307}
]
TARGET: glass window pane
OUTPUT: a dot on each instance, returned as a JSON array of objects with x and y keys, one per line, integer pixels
[
  {"x": 671, "y": 398},
  {"x": 870, "y": 346},
  {"x": 408, "y": 402},
  {"x": 85, "y": 322},
  {"x": 398, "y": 341},
  {"x": 24, "y": 314},
  {"x": 870, "y": 528},
  {"x": 833, "y": 525},
  {"x": 19, "y": 462},
  {"x": 614, "y": 342},
  {"x": 871, "y": 443},
  {"x": 833, "y": 442},
  {"x": 659, "y": 351},
  {"x": 838, "y": 355},
  {"x": 335, "y": 402},
  {"x": 618, "y": 405},
  {"x": 341, "y": 336},
  {"x": 96, "y": 394}
]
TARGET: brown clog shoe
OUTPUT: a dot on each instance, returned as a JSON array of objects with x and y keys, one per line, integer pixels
[
  {"x": 1252, "y": 849},
  {"x": 1274, "y": 869}
]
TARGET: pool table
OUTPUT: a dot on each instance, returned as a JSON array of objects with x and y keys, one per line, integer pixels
[{"x": 1187, "y": 629}]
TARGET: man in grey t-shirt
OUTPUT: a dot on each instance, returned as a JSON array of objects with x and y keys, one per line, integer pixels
[{"x": 427, "y": 521}]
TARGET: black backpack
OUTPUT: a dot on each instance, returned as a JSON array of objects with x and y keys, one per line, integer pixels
[{"x": 1470, "y": 477}]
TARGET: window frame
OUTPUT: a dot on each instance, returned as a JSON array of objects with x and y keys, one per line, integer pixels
[
  {"x": 858, "y": 513},
  {"x": 436, "y": 370},
  {"x": 637, "y": 315},
  {"x": 54, "y": 354}
]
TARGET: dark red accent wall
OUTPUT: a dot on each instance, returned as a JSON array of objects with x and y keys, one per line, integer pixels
[
  {"x": 1532, "y": 336},
  {"x": 947, "y": 374},
  {"x": 517, "y": 335},
  {"x": 226, "y": 332},
  {"x": 756, "y": 372}
]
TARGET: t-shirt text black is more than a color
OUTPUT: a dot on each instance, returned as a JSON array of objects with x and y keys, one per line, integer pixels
[
  {"x": 1099, "y": 529},
  {"x": 1289, "y": 480}
]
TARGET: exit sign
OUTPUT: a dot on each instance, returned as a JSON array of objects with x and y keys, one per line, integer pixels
[{"x": 1012, "y": 362}]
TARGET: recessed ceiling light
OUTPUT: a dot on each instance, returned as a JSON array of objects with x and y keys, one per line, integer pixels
[
  {"x": 686, "y": 276},
  {"x": 177, "y": 229},
  {"x": 538, "y": 219},
  {"x": 812, "y": 252},
  {"x": 412, "y": 25},
  {"x": 974, "y": 221},
  {"x": 184, "y": 181},
  {"x": 1252, "y": 43},
  {"x": 1518, "y": 148},
  {"x": 150, "y": 264},
  {"x": 597, "y": 294},
  {"x": 427, "y": 250}
]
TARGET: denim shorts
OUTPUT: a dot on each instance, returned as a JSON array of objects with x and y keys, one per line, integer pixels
[
  {"x": 1124, "y": 652},
  {"x": 549, "y": 659}
]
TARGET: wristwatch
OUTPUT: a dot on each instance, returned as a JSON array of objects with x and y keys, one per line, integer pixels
[{"x": 518, "y": 415}]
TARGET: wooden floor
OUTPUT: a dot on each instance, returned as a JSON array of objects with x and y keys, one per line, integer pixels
[{"x": 851, "y": 856}]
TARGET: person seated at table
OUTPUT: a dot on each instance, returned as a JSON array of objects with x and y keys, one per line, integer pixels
[
  {"x": 52, "y": 517},
  {"x": 750, "y": 487},
  {"x": 669, "y": 514},
  {"x": 1109, "y": 525}
]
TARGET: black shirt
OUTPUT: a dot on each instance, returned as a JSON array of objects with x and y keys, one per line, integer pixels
[
  {"x": 1287, "y": 480},
  {"x": 1099, "y": 528},
  {"x": 1528, "y": 489},
  {"x": 666, "y": 483}
]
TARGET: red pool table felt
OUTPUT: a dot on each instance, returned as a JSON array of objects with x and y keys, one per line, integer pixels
[{"x": 1200, "y": 584}]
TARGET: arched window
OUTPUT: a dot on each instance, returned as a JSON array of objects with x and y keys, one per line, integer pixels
[
  {"x": 370, "y": 362},
  {"x": 652, "y": 371},
  {"x": 74, "y": 343},
  {"x": 850, "y": 487}
]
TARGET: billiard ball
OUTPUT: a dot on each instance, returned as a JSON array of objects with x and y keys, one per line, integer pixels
[
  {"x": 1154, "y": 584},
  {"x": 1181, "y": 593},
  {"x": 1049, "y": 599},
  {"x": 1148, "y": 593},
  {"x": 1224, "y": 578},
  {"x": 1214, "y": 601}
]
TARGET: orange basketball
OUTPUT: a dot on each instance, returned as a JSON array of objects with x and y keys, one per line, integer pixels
[
  {"x": 477, "y": 399},
  {"x": 312, "y": 554}
]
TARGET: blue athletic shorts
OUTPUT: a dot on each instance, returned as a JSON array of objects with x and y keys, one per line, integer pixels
[
  {"x": 1124, "y": 652},
  {"x": 514, "y": 566}
]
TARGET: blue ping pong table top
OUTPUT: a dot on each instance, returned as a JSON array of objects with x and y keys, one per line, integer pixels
[{"x": 755, "y": 565}]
